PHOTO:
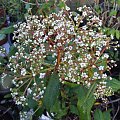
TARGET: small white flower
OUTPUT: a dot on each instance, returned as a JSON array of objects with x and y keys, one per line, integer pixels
[
  {"x": 34, "y": 83},
  {"x": 70, "y": 47},
  {"x": 84, "y": 13},
  {"x": 79, "y": 9},
  {"x": 41, "y": 33},
  {"x": 59, "y": 44},
  {"x": 42, "y": 75},
  {"x": 112, "y": 37},
  {"x": 69, "y": 56},
  {"x": 110, "y": 78},
  {"x": 29, "y": 91},
  {"x": 97, "y": 53},
  {"x": 67, "y": 8},
  {"x": 96, "y": 74},
  {"x": 33, "y": 74},
  {"x": 84, "y": 27},
  {"x": 50, "y": 33},
  {"x": 76, "y": 18},
  {"x": 101, "y": 67},
  {"x": 84, "y": 75},
  {"x": 100, "y": 23},
  {"x": 34, "y": 94},
  {"x": 23, "y": 71},
  {"x": 89, "y": 56},
  {"x": 83, "y": 65},
  {"x": 104, "y": 76},
  {"x": 106, "y": 56}
]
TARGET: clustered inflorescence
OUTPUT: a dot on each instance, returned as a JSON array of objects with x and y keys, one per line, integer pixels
[{"x": 70, "y": 43}]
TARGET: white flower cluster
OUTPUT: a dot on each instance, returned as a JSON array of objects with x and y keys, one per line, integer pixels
[
  {"x": 102, "y": 91},
  {"x": 86, "y": 61},
  {"x": 26, "y": 115},
  {"x": 2, "y": 50},
  {"x": 58, "y": 42}
]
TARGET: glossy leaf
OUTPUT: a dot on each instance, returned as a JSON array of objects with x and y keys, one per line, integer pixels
[
  {"x": 113, "y": 13},
  {"x": 112, "y": 31},
  {"x": 52, "y": 91},
  {"x": 98, "y": 115},
  {"x": 74, "y": 109},
  {"x": 32, "y": 103},
  {"x": 59, "y": 109},
  {"x": 85, "y": 102},
  {"x": 2, "y": 36},
  {"x": 13, "y": 50},
  {"x": 7, "y": 30},
  {"x": 114, "y": 84},
  {"x": 106, "y": 115},
  {"x": 61, "y": 4}
]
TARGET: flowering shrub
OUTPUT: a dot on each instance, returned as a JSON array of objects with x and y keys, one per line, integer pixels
[{"x": 62, "y": 48}]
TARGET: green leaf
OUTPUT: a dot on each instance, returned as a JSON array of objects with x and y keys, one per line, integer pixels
[
  {"x": 52, "y": 91},
  {"x": 74, "y": 109},
  {"x": 98, "y": 115},
  {"x": 39, "y": 112},
  {"x": 85, "y": 101},
  {"x": 117, "y": 34},
  {"x": 2, "y": 36},
  {"x": 72, "y": 85},
  {"x": 7, "y": 30},
  {"x": 97, "y": 9},
  {"x": 8, "y": 96},
  {"x": 118, "y": 2},
  {"x": 3, "y": 60},
  {"x": 106, "y": 115},
  {"x": 32, "y": 103},
  {"x": 7, "y": 81},
  {"x": 113, "y": 13},
  {"x": 114, "y": 84},
  {"x": 59, "y": 109},
  {"x": 112, "y": 31},
  {"x": 61, "y": 4},
  {"x": 27, "y": 6},
  {"x": 13, "y": 50},
  {"x": 116, "y": 56}
]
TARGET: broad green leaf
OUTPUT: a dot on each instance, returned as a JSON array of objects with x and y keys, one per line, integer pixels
[
  {"x": 97, "y": 9},
  {"x": 7, "y": 81},
  {"x": 32, "y": 103},
  {"x": 52, "y": 91},
  {"x": 112, "y": 32},
  {"x": 8, "y": 96},
  {"x": 114, "y": 84},
  {"x": 2, "y": 36},
  {"x": 59, "y": 109},
  {"x": 117, "y": 34},
  {"x": 74, "y": 109},
  {"x": 13, "y": 50},
  {"x": 61, "y": 4},
  {"x": 98, "y": 115},
  {"x": 72, "y": 85},
  {"x": 116, "y": 56},
  {"x": 85, "y": 102},
  {"x": 2, "y": 60},
  {"x": 106, "y": 115},
  {"x": 39, "y": 112},
  {"x": 27, "y": 6},
  {"x": 113, "y": 13},
  {"x": 7, "y": 30}
]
